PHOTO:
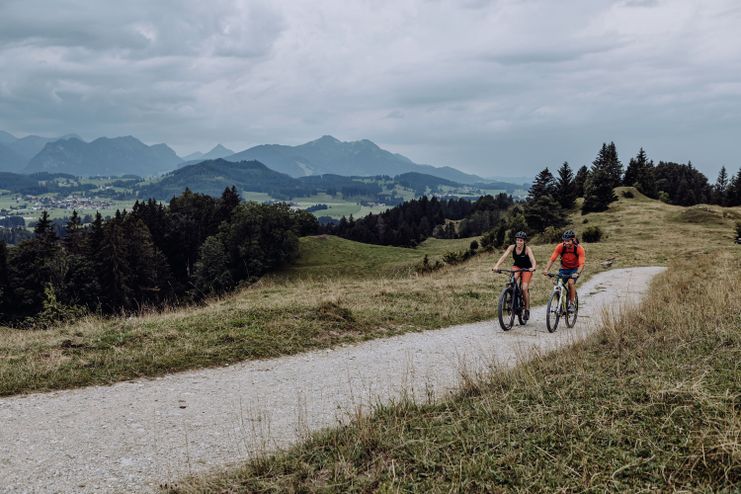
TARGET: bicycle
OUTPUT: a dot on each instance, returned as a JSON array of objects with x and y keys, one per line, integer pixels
[
  {"x": 558, "y": 305},
  {"x": 511, "y": 302}
]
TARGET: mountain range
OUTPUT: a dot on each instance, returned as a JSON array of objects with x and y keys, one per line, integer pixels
[
  {"x": 128, "y": 155},
  {"x": 330, "y": 155}
]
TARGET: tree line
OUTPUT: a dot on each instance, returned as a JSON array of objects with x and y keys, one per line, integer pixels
[
  {"x": 549, "y": 201},
  {"x": 151, "y": 256},
  {"x": 411, "y": 222}
]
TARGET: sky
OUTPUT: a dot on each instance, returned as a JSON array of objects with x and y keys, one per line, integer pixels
[{"x": 496, "y": 88}]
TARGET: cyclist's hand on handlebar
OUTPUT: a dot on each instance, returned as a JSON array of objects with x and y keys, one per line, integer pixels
[
  {"x": 545, "y": 273},
  {"x": 532, "y": 270}
]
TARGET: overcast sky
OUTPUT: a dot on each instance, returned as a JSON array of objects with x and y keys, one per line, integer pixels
[{"x": 490, "y": 87}]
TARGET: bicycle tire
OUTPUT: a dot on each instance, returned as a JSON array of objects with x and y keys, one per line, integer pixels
[
  {"x": 553, "y": 312},
  {"x": 505, "y": 310},
  {"x": 521, "y": 306},
  {"x": 570, "y": 321}
]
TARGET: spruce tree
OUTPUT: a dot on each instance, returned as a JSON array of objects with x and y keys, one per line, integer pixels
[
  {"x": 733, "y": 194},
  {"x": 544, "y": 184},
  {"x": 721, "y": 188},
  {"x": 598, "y": 193},
  {"x": 635, "y": 168},
  {"x": 566, "y": 187},
  {"x": 580, "y": 180},
  {"x": 613, "y": 165}
]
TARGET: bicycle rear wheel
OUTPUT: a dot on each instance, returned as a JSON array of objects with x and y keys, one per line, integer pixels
[
  {"x": 505, "y": 310},
  {"x": 553, "y": 312},
  {"x": 521, "y": 309},
  {"x": 571, "y": 318}
]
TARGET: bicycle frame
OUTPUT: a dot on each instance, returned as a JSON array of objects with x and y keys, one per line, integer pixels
[
  {"x": 514, "y": 304},
  {"x": 561, "y": 307}
]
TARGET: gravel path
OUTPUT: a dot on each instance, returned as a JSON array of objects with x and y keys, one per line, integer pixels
[{"x": 132, "y": 436}]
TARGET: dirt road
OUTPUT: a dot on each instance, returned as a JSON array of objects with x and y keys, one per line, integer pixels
[{"x": 132, "y": 436}]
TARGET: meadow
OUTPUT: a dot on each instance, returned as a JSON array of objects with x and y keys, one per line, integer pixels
[{"x": 340, "y": 292}]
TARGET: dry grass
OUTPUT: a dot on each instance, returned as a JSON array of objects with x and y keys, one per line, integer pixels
[
  {"x": 286, "y": 313},
  {"x": 650, "y": 403}
]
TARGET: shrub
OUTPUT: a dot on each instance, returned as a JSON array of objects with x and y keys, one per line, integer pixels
[
  {"x": 738, "y": 229},
  {"x": 585, "y": 221},
  {"x": 428, "y": 267},
  {"x": 663, "y": 196},
  {"x": 551, "y": 235},
  {"x": 592, "y": 234},
  {"x": 474, "y": 246},
  {"x": 628, "y": 194}
]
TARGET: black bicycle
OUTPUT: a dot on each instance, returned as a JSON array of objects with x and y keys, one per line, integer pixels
[{"x": 511, "y": 301}]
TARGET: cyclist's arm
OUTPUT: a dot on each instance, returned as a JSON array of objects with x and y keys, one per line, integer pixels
[
  {"x": 532, "y": 258},
  {"x": 582, "y": 258},
  {"x": 554, "y": 256},
  {"x": 506, "y": 252}
]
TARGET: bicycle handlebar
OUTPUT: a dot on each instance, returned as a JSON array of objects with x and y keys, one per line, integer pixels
[{"x": 511, "y": 270}]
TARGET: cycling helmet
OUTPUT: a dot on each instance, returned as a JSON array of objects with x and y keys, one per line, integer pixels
[
  {"x": 521, "y": 235},
  {"x": 568, "y": 234}
]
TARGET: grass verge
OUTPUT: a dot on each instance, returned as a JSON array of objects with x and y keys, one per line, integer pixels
[
  {"x": 651, "y": 402},
  {"x": 339, "y": 292}
]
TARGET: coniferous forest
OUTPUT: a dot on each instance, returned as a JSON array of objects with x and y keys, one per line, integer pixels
[{"x": 151, "y": 256}]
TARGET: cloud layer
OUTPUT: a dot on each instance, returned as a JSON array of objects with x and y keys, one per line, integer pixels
[{"x": 491, "y": 87}]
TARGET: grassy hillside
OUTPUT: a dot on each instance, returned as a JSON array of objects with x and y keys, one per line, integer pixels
[
  {"x": 340, "y": 292},
  {"x": 650, "y": 403}
]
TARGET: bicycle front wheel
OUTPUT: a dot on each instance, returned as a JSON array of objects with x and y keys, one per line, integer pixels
[
  {"x": 571, "y": 318},
  {"x": 505, "y": 310},
  {"x": 553, "y": 312}
]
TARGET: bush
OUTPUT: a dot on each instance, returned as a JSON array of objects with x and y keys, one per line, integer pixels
[
  {"x": 551, "y": 235},
  {"x": 628, "y": 194},
  {"x": 474, "y": 246},
  {"x": 738, "y": 229},
  {"x": 592, "y": 234},
  {"x": 663, "y": 196},
  {"x": 585, "y": 221},
  {"x": 453, "y": 257},
  {"x": 428, "y": 267}
]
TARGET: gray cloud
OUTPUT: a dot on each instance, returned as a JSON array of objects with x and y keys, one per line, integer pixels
[{"x": 492, "y": 87}]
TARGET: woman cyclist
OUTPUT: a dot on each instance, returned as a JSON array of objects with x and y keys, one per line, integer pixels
[{"x": 524, "y": 260}]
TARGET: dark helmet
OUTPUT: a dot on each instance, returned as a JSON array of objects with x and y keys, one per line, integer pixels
[
  {"x": 521, "y": 235},
  {"x": 568, "y": 234}
]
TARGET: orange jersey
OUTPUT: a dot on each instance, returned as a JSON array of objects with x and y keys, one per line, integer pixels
[{"x": 573, "y": 257}]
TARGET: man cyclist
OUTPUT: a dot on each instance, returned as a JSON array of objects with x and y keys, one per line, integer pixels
[
  {"x": 524, "y": 260},
  {"x": 572, "y": 263}
]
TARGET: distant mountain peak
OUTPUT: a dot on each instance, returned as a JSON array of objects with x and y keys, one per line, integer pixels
[{"x": 326, "y": 139}]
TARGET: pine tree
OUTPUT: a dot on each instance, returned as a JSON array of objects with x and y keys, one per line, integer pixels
[
  {"x": 635, "y": 168},
  {"x": 73, "y": 238},
  {"x": 580, "y": 180},
  {"x": 598, "y": 193},
  {"x": 544, "y": 184},
  {"x": 614, "y": 166},
  {"x": 721, "y": 188},
  {"x": 566, "y": 187},
  {"x": 733, "y": 194}
]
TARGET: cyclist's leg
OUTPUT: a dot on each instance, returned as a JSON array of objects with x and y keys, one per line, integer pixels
[
  {"x": 526, "y": 277},
  {"x": 572, "y": 290}
]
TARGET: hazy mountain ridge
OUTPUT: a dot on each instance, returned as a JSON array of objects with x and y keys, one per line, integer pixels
[
  {"x": 104, "y": 156},
  {"x": 356, "y": 158},
  {"x": 128, "y": 155},
  {"x": 218, "y": 151}
]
